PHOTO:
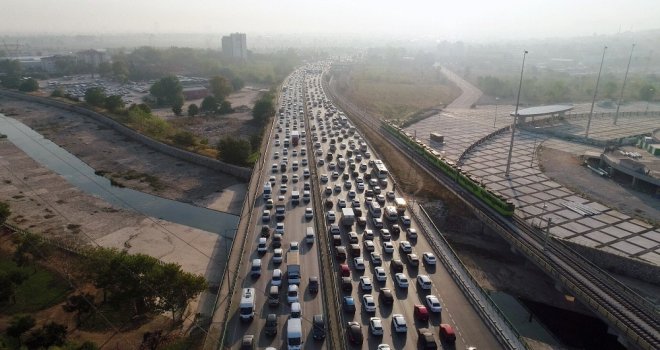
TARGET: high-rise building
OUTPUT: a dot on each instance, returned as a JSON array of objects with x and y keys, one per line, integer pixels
[{"x": 235, "y": 46}]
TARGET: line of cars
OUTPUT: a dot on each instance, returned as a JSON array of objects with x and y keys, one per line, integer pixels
[{"x": 357, "y": 186}]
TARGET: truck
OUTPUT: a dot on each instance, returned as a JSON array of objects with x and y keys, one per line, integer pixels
[
  {"x": 295, "y": 137},
  {"x": 293, "y": 267},
  {"x": 268, "y": 190},
  {"x": 400, "y": 204},
  {"x": 347, "y": 216}
]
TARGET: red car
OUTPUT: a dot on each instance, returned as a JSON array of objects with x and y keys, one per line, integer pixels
[
  {"x": 345, "y": 270},
  {"x": 421, "y": 313},
  {"x": 447, "y": 334}
]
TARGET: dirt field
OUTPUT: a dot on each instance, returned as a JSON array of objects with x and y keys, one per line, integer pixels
[
  {"x": 566, "y": 169},
  {"x": 127, "y": 161}
]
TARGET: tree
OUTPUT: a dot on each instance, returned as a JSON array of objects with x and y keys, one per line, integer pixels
[
  {"x": 50, "y": 334},
  {"x": 193, "y": 110},
  {"x": 9, "y": 281},
  {"x": 5, "y": 212},
  {"x": 143, "y": 107},
  {"x": 58, "y": 92},
  {"x": 95, "y": 96},
  {"x": 114, "y": 103},
  {"x": 179, "y": 288},
  {"x": 237, "y": 83},
  {"x": 220, "y": 87},
  {"x": 12, "y": 73},
  {"x": 177, "y": 105},
  {"x": 263, "y": 109},
  {"x": 20, "y": 324},
  {"x": 184, "y": 138},
  {"x": 120, "y": 70},
  {"x": 225, "y": 108},
  {"x": 167, "y": 90},
  {"x": 209, "y": 105},
  {"x": 646, "y": 92},
  {"x": 233, "y": 150},
  {"x": 104, "y": 69},
  {"x": 29, "y": 85}
]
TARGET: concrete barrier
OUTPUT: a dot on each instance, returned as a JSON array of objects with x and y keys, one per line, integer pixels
[{"x": 239, "y": 172}]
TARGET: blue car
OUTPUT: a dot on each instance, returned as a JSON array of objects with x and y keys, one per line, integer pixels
[{"x": 349, "y": 304}]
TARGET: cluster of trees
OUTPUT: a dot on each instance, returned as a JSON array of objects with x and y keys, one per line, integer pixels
[
  {"x": 242, "y": 151},
  {"x": 220, "y": 88},
  {"x": 51, "y": 334},
  {"x": 96, "y": 97},
  {"x": 12, "y": 77},
  {"x": 558, "y": 88},
  {"x": 168, "y": 92}
]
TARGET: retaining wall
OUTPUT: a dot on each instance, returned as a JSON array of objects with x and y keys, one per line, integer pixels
[{"x": 239, "y": 172}]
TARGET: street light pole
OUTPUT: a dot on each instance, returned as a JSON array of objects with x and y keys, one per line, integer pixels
[
  {"x": 625, "y": 77},
  {"x": 497, "y": 102},
  {"x": 593, "y": 102},
  {"x": 648, "y": 101},
  {"x": 515, "y": 117}
]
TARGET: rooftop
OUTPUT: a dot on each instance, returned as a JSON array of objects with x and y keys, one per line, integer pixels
[{"x": 543, "y": 110}]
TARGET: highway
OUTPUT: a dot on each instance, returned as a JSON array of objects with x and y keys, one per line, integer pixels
[
  {"x": 295, "y": 225},
  {"x": 456, "y": 310}
]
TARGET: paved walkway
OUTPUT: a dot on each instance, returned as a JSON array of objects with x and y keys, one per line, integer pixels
[{"x": 536, "y": 196}]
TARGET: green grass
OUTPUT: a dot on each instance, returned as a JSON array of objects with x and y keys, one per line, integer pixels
[{"x": 41, "y": 290}]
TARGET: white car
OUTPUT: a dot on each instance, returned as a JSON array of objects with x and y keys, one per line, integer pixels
[
  {"x": 433, "y": 303},
  {"x": 331, "y": 216},
  {"x": 365, "y": 283},
  {"x": 278, "y": 255},
  {"x": 399, "y": 323},
  {"x": 388, "y": 247},
  {"x": 309, "y": 213},
  {"x": 384, "y": 347},
  {"x": 405, "y": 247},
  {"x": 324, "y": 178},
  {"x": 277, "y": 277},
  {"x": 292, "y": 294},
  {"x": 369, "y": 303},
  {"x": 424, "y": 282},
  {"x": 429, "y": 258},
  {"x": 359, "y": 263},
  {"x": 265, "y": 217},
  {"x": 376, "y": 326},
  {"x": 380, "y": 273},
  {"x": 401, "y": 280},
  {"x": 369, "y": 246}
]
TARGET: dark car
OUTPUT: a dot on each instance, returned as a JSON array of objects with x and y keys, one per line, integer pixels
[
  {"x": 313, "y": 284},
  {"x": 362, "y": 221},
  {"x": 349, "y": 304},
  {"x": 265, "y": 231},
  {"x": 395, "y": 229},
  {"x": 396, "y": 265},
  {"x": 277, "y": 240},
  {"x": 271, "y": 325},
  {"x": 318, "y": 330},
  {"x": 447, "y": 334},
  {"x": 346, "y": 284},
  {"x": 354, "y": 332},
  {"x": 426, "y": 340},
  {"x": 386, "y": 297}
]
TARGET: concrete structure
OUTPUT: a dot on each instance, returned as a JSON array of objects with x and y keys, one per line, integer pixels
[
  {"x": 93, "y": 57},
  {"x": 235, "y": 46},
  {"x": 52, "y": 64},
  {"x": 195, "y": 93}
]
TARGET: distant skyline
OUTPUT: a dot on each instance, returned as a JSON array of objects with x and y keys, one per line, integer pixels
[{"x": 476, "y": 20}]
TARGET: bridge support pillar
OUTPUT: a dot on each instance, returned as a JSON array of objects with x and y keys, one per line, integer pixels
[{"x": 620, "y": 338}]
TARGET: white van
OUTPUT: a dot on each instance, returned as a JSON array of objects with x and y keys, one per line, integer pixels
[
  {"x": 309, "y": 236},
  {"x": 294, "y": 334},
  {"x": 247, "y": 304}
]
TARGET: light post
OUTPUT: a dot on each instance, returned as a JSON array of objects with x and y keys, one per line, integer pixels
[
  {"x": 225, "y": 243},
  {"x": 515, "y": 117},
  {"x": 648, "y": 101},
  {"x": 547, "y": 234},
  {"x": 591, "y": 113},
  {"x": 497, "y": 102},
  {"x": 625, "y": 77}
]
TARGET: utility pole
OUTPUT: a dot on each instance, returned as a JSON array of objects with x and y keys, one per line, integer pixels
[
  {"x": 515, "y": 117},
  {"x": 625, "y": 77},
  {"x": 591, "y": 113}
]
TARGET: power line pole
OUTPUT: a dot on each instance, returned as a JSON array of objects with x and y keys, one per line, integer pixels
[
  {"x": 515, "y": 117},
  {"x": 625, "y": 77},
  {"x": 593, "y": 102}
]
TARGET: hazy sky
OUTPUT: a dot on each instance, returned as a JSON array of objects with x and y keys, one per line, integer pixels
[{"x": 452, "y": 20}]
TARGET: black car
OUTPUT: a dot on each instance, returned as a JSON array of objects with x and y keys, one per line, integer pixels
[
  {"x": 313, "y": 284},
  {"x": 248, "y": 342},
  {"x": 277, "y": 240},
  {"x": 346, "y": 284},
  {"x": 396, "y": 265},
  {"x": 386, "y": 297},
  {"x": 318, "y": 330},
  {"x": 265, "y": 231},
  {"x": 395, "y": 229},
  {"x": 354, "y": 332},
  {"x": 271, "y": 325}
]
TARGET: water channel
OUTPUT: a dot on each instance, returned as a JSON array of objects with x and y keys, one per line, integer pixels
[{"x": 81, "y": 175}]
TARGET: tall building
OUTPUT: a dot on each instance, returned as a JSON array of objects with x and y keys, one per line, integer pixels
[{"x": 235, "y": 46}]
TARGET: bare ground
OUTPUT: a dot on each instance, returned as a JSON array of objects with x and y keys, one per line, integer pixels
[
  {"x": 565, "y": 168},
  {"x": 105, "y": 150}
]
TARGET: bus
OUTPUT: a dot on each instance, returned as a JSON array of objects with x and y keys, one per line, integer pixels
[{"x": 379, "y": 169}]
